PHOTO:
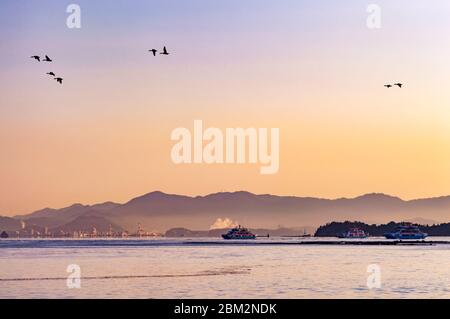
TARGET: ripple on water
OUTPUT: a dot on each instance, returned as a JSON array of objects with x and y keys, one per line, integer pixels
[{"x": 225, "y": 271}]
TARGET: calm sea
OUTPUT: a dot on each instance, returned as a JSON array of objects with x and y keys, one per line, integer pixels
[{"x": 205, "y": 268}]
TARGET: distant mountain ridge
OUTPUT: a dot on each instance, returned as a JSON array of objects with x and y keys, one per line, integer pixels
[{"x": 158, "y": 211}]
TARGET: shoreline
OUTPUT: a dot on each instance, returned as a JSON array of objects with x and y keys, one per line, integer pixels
[{"x": 142, "y": 243}]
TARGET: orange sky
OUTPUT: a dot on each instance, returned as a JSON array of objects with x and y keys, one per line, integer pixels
[{"x": 318, "y": 77}]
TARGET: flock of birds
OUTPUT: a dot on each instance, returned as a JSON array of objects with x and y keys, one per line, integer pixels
[
  {"x": 60, "y": 80},
  {"x": 47, "y": 59},
  {"x": 153, "y": 51},
  {"x": 397, "y": 84},
  {"x": 164, "y": 51}
]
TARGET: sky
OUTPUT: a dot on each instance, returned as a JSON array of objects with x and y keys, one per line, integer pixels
[{"x": 313, "y": 69}]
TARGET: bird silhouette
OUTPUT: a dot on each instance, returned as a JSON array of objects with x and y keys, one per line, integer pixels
[
  {"x": 37, "y": 58},
  {"x": 388, "y": 86},
  {"x": 399, "y": 84},
  {"x": 51, "y": 73},
  {"x": 153, "y": 51},
  {"x": 47, "y": 59},
  {"x": 164, "y": 51},
  {"x": 59, "y": 80}
]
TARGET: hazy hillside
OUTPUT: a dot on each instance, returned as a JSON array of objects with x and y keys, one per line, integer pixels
[
  {"x": 8, "y": 223},
  {"x": 157, "y": 211},
  {"x": 163, "y": 211},
  {"x": 86, "y": 224}
]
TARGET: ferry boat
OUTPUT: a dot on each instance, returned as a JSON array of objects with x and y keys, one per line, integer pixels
[
  {"x": 406, "y": 231},
  {"x": 353, "y": 233},
  {"x": 239, "y": 233}
]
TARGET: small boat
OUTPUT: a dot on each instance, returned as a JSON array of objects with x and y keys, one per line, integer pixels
[
  {"x": 305, "y": 235},
  {"x": 239, "y": 233},
  {"x": 353, "y": 233},
  {"x": 406, "y": 231}
]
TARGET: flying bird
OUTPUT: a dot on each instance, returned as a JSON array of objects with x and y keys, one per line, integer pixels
[
  {"x": 164, "y": 51},
  {"x": 37, "y": 58},
  {"x": 47, "y": 59},
  {"x": 399, "y": 84},
  {"x": 153, "y": 51},
  {"x": 59, "y": 80},
  {"x": 388, "y": 86},
  {"x": 51, "y": 73}
]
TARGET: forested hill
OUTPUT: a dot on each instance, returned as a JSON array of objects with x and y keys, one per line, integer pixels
[{"x": 333, "y": 228}]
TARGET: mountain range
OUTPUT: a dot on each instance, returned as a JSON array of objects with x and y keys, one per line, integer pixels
[{"x": 158, "y": 211}]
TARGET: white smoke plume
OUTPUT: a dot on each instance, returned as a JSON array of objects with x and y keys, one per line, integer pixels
[{"x": 223, "y": 223}]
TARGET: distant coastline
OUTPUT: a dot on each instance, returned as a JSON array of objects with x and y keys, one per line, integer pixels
[
  {"x": 157, "y": 213},
  {"x": 328, "y": 230}
]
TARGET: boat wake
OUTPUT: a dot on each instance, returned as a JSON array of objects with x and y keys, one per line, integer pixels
[{"x": 218, "y": 272}]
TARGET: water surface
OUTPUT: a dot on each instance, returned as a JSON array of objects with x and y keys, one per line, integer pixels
[{"x": 205, "y": 268}]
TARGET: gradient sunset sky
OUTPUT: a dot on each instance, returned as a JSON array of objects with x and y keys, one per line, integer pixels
[{"x": 311, "y": 68}]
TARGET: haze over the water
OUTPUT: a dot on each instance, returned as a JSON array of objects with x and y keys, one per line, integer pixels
[{"x": 311, "y": 68}]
